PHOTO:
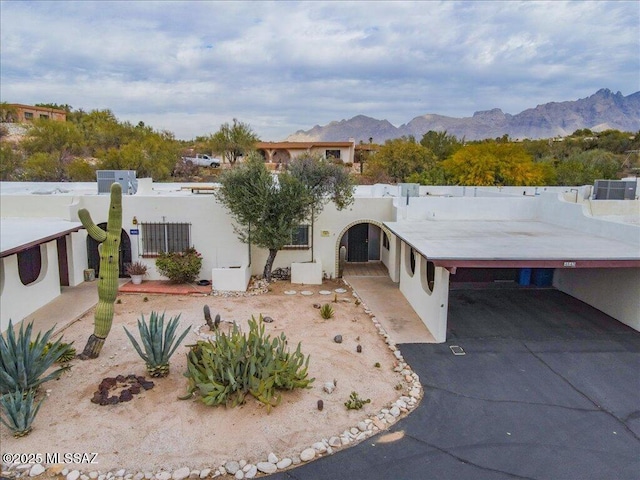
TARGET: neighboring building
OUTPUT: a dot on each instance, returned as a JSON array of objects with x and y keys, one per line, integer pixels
[
  {"x": 28, "y": 113},
  {"x": 282, "y": 152},
  {"x": 426, "y": 237}
]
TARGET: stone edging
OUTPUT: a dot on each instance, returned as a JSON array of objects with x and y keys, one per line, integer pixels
[{"x": 241, "y": 469}]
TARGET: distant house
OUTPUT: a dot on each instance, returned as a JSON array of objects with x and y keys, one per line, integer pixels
[
  {"x": 283, "y": 152},
  {"x": 28, "y": 113}
]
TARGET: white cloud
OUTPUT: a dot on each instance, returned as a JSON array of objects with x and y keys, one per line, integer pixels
[{"x": 190, "y": 66}]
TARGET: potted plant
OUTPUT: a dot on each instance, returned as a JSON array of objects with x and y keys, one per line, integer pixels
[{"x": 136, "y": 271}]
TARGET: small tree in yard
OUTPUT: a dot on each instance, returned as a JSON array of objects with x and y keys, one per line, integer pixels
[{"x": 265, "y": 208}]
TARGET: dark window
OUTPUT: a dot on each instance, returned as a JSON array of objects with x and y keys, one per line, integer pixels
[
  {"x": 412, "y": 261},
  {"x": 385, "y": 240},
  {"x": 165, "y": 237},
  {"x": 332, "y": 154},
  {"x": 28, "y": 116},
  {"x": 45, "y": 116},
  {"x": 29, "y": 265},
  {"x": 299, "y": 236}
]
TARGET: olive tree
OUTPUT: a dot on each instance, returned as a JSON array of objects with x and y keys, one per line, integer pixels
[
  {"x": 324, "y": 182},
  {"x": 264, "y": 207}
]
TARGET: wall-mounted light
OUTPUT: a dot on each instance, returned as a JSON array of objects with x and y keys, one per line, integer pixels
[{"x": 134, "y": 221}]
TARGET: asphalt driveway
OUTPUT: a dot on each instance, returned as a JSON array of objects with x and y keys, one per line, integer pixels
[{"x": 548, "y": 388}]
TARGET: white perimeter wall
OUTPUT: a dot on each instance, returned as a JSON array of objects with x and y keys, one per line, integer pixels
[
  {"x": 615, "y": 291},
  {"x": 18, "y": 300}
]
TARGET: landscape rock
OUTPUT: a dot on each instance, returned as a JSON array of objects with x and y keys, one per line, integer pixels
[
  {"x": 36, "y": 470},
  {"x": 181, "y": 473},
  {"x": 307, "y": 454},
  {"x": 232, "y": 467},
  {"x": 272, "y": 458},
  {"x": 266, "y": 467},
  {"x": 73, "y": 475},
  {"x": 284, "y": 463}
]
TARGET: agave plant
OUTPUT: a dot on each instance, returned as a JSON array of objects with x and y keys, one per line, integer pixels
[
  {"x": 158, "y": 342},
  {"x": 23, "y": 362},
  {"x": 326, "y": 311},
  {"x": 20, "y": 410}
]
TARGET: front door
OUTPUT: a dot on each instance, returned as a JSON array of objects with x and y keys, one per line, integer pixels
[
  {"x": 94, "y": 256},
  {"x": 358, "y": 243}
]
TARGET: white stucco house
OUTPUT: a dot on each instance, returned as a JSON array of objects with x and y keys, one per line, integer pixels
[{"x": 426, "y": 237}]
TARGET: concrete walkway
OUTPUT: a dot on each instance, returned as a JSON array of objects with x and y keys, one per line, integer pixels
[
  {"x": 383, "y": 297},
  {"x": 66, "y": 309}
]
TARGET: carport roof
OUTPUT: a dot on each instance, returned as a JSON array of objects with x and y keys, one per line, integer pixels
[
  {"x": 490, "y": 243},
  {"x": 18, "y": 234}
]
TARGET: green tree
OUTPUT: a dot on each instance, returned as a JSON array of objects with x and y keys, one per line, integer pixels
[
  {"x": 324, "y": 182},
  {"x": 8, "y": 113},
  {"x": 441, "y": 144},
  {"x": 493, "y": 163},
  {"x": 264, "y": 207},
  {"x": 43, "y": 167},
  {"x": 586, "y": 167},
  {"x": 79, "y": 170},
  {"x": 60, "y": 141},
  {"x": 399, "y": 158},
  {"x": 10, "y": 163},
  {"x": 233, "y": 141}
]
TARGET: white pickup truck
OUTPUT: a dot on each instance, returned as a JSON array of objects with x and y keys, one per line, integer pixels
[{"x": 203, "y": 160}]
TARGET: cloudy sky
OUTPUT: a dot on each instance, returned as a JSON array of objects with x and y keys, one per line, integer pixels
[{"x": 190, "y": 66}]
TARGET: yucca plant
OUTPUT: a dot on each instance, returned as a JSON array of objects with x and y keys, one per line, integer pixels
[
  {"x": 158, "y": 342},
  {"x": 20, "y": 409},
  {"x": 23, "y": 362},
  {"x": 326, "y": 311}
]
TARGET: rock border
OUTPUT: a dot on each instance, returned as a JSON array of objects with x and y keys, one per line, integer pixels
[{"x": 243, "y": 469}]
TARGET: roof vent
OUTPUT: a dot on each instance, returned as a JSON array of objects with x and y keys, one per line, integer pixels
[{"x": 126, "y": 179}]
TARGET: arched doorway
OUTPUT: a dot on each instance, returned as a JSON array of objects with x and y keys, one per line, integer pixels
[
  {"x": 125, "y": 252},
  {"x": 361, "y": 242}
]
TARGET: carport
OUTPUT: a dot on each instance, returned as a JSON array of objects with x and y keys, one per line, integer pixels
[{"x": 599, "y": 270}]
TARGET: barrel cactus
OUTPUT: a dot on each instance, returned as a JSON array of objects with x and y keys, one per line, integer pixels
[{"x": 109, "y": 250}]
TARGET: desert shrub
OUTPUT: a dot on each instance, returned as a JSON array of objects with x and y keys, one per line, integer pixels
[
  {"x": 326, "y": 311},
  {"x": 355, "y": 402},
  {"x": 235, "y": 365},
  {"x": 180, "y": 267}
]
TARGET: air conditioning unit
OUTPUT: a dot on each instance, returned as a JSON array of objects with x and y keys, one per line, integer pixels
[
  {"x": 126, "y": 179},
  {"x": 615, "y": 190}
]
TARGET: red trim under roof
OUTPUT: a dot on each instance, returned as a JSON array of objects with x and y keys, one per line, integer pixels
[
  {"x": 569, "y": 263},
  {"x": 40, "y": 241}
]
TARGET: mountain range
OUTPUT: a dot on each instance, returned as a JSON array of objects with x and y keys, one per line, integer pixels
[{"x": 601, "y": 111}]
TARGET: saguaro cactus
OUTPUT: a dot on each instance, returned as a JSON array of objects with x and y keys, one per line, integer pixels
[{"x": 109, "y": 250}]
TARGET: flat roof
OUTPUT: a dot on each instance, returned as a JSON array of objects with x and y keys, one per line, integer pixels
[
  {"x": 18, "y": 234},
  {"x": 491, "y": 243}
]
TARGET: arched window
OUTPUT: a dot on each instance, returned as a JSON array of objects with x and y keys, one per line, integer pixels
[
  {"x": 30, "y": 264},
  {"x": 427, "y": 275},
  {"x": 410, "y": 260}
]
